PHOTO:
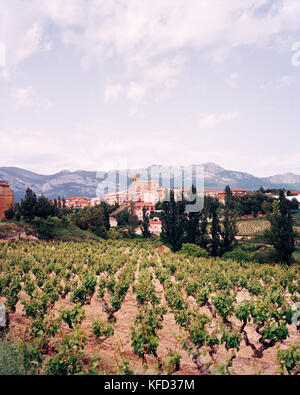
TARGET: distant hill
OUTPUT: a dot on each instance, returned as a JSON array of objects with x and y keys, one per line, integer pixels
[{"x": 84, "y": 183}]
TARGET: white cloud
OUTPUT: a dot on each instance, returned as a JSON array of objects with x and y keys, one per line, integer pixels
[
  {"x": 24, "y": 97},
  {"x": 27, "y": 97},
  {"x": 282, "y": 81},
  {"x": 287, "y": 80},
  {"x": 135, "y": 91},
  {"x": 232, "y": 80},
  {"x": 113, "y": 92},
  {"x": 147, "y": 35},
  {"x": 210, "y": 121},
  {"x": 31, "y": 42}
]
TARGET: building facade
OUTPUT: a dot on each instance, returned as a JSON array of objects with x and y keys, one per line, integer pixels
[
  {"x": 155, "y": 227},
  {"x": 78, "y": 202},
  {"x": 138, "y": 208}
]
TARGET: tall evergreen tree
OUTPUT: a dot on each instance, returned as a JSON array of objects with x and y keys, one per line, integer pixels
[
  {"x": 105, "y": 209},
  {"x": 44, "y": 208},
  {"x": 165, "y": 218},
  {"x": 132, "y": 219},
  {"x": 229, "y": 229},
  {"x": 145, "y": 225},
  {"x": 281, "y": 234},
  {"x": 213, "y": 207},
  {"x": 28, "y": 205},
  {"x": 192, "y": 220},
  {"x": 173, "y": 221},
  {"x": 203, "y": 239}
]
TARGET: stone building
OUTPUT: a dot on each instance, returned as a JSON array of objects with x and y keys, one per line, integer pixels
[{"x": 6, "y": 197}]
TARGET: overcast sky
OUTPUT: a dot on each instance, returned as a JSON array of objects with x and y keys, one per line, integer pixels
[{"x": 85, "y": 84}]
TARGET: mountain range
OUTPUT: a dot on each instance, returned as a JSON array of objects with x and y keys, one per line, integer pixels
[{"x": 84, "y": 183}]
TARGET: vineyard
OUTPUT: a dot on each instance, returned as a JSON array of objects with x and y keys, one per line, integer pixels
[
  {"x": 132, "y": 307},
  {"x": 252, "y": 227}
]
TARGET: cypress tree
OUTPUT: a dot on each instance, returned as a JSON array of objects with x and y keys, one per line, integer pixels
[
  {"x": 229, "y": 230},
  {"x": 203, "y": 233},
  {"x": 105, "y": 209},
  {"x": 173, "y": 221},
  {"x": 213, "y": 206},
  {"x": 132, "y": 219},
  {"x": 192, "y": 220},
  {"x": 281, "y": 234},
  {"x": 28, "y": 205},
  {"x": 145, "y": 224}
]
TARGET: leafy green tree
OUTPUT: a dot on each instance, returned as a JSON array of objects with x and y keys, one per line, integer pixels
[
  {"x": 123, "y": 217},
  {"x": 28, "y": 205},
  {"x": 266, "y": 207},
  {"x": 44, "y": 208},
  {"x": 46, "y": 228},
  {"x": 96, "y": 220},
  {"x": 145, "y": 225},
  {"x": 281, "y": 234},
  {"x": 294, "y": 204},
  {"x": 10, "y": 213}
]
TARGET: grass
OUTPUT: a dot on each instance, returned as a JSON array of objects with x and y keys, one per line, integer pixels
[
  {"x": 71, "y": 232},
  {"x": 18, "y": 359},
  {"x": 296, "y": 255}
]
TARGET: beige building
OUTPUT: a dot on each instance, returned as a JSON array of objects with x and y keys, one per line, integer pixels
[{"x": 113, "y": 222}]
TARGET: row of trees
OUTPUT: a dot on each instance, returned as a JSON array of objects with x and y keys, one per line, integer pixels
[
  {"x": 257, "y": 202},
  {"x": 214, "y": 227},
  {"x": 40, "y": 210},
  {"x": 180, "y": 226},
  {"x": 31, "y": 207}
]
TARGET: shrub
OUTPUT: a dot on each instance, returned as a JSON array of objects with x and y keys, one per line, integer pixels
[
  {"x": 267, "y": 256},
  {"x": 237, "y": 255},
  {"x": 192, "y": 250},
  {"x": 45, "y": 227}
]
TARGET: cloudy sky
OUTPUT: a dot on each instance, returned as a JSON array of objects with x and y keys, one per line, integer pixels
[{"x": 87, "y": 84}]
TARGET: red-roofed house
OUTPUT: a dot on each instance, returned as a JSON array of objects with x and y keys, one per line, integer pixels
[
  {"x": 155, "y": 227},
  {"x": 78, "y": 202},
  {"x": 138, "y": 206}
]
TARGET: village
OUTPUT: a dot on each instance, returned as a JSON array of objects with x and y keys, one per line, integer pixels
[{"x": 147, "y": 194}]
